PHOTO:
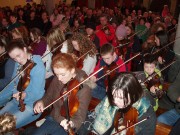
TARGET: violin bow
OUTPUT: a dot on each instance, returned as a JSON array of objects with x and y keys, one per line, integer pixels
[
  {"x": 15, "y": 77},
  {"x": 135, "y": 34},
  {"x": 66, "y": 93},
  {"x": 160, "y": 70},
  {"x": 119, "y": 66},
  {"x": 132, "y": 125},
  {"x": 54, "y": 49},
  {"x": 121, "y": 45},
  {"x": 172, "y": 28},
  {"x": 3, "y": 53},
  {"x": 85, "y": 54},
  {"x": 166, "y": 45}
]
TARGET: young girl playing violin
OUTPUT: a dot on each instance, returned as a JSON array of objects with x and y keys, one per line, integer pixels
[
  {"x": 132, "y": 48},
  {"x": 124, "y": 93},
  {"x": 27, "y": 87},
  {"x": 65, "y": 73},
  {"x": 110, "y": 60},
  {"x": 85, "y": 51}
]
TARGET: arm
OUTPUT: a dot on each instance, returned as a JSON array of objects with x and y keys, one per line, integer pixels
[
  {"x": 122, "y": 68},
  {"x": 89, "y": 64},
  {"x": 97, "y": 67},
  {"x": 111, "y": 36},
  {"x": 9, "y": 69}
]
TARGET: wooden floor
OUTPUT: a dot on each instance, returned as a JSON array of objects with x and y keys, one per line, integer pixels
[{"x": 162, "y": 129}]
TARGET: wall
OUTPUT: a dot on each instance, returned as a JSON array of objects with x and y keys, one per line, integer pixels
[{"x": 13, "y": 3}]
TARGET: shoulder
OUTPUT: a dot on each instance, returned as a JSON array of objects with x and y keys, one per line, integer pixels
[
  {"x": 37, "y": 59},
  {"x": 90, "y": 57},
  {"x": 119, "y": 61},
  {"x": 81, "y": 75}
]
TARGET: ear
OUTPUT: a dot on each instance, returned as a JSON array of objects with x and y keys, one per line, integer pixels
[
  {"x": 114, "y": 54},
  {"x": 73, "y": 71}
]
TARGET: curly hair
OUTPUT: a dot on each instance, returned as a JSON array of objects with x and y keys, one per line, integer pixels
[
  {"x": 7, "y": 123},
  {"x": 84, "y": 43}
]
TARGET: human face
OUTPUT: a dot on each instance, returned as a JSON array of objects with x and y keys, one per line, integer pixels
[
  {"x": 32, "y": 37},
  {"x": 16, "y": 36},
  {"x": 103, "y": 21},
  {"x": 128, "y": 30},
  {"x": 149, "y": 68},
  {"x": 108, "y": 58},
  {"x": 4, "y": 22},
  {"x": 76, "y": 45},
  {"x": 13, "y": 19},
  {"x": 119, "y": 100},
  {"x": 64, "y": 75},
  {"x": 76, "y": 23},
  {"x": 142, "y": 22},
  {"x": 32, "y": 15},
  {"x": 19, "y": 55},
  {"x": 89, "y": 31},
  {"x": 157, "y": 41},
  {"x": 44, "y": 16}
]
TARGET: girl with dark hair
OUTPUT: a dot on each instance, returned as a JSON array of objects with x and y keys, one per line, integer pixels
[
  {"x": 39, "y": 44},
  {"x": 124, "y": 92},
  {"x": 19, "y": 88},
  {"x": 166, "y": 55}
]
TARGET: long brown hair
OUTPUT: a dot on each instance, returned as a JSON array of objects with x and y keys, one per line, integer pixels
[
  {"x": 84, "y": 43},
  {"x": 55, "y": 34}
]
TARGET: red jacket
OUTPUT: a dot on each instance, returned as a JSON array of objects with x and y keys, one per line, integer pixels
[{"x": 106, "y": 38}]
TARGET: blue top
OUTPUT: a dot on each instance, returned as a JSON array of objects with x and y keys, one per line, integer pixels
[
  {"x": 9, "y": 68},
  {"x": 35, "y": 89}
]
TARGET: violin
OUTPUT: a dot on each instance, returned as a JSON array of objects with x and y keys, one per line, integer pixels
[
  {"x": 24, "y": 82},
  {"x": 110, "y": 76},
  {"x": 121, "y": 49},
  {"x": 156, "y": 82},
  {"x": 71, "y": 102},
  {"x": 129, "y": 119}
]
